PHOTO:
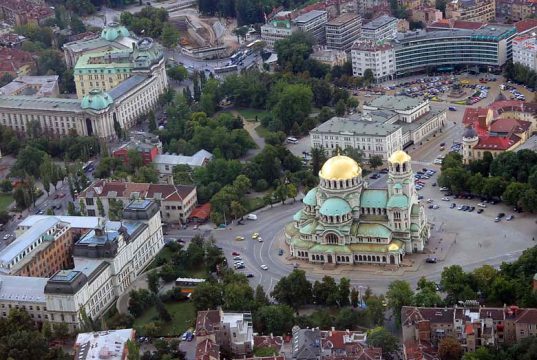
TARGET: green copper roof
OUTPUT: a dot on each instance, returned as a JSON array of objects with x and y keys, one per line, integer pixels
[
  {"x": 398, "y": 186},
  {"x": 114, "y": 31},
  {"x": 335, "y": 207},
  {"x": 398, "y": 201},
  {"x": 96, "y": 100},
  {"x": 415, "y": 210},
  {"x": 298, "y": 215},
  {"x": 311, "y": 197},
  {"x": 414, "y": 227},
  {"x": 301, "y": 244},
  {"x": 309, "y": 228},
  {"x": 374, "y": 198},
  {"x": 371, "y": 230},
  {"x": 324, "y": 248}
]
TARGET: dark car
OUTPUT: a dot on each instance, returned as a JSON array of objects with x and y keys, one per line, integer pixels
[
  {"x": 501, "y": 215},
  {"x": 250, "y": 275},
  {"x": 480, "y": 211},
  {"x": 280, "y": 252},
  {"x": 431, "y": 260},
  {"x": 472, "y": 209},
  {"x": 453, "y": 205}
]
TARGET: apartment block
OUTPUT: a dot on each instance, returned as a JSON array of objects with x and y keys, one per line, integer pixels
[
  {"x": 377, "y": 57},
  {"x": 478, "y": 11},
  {"x": 313, "y": 22},
  {"x": 381, "y": 28}
]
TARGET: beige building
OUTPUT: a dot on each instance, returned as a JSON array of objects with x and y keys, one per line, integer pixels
[
  {"x": 176, "y": 201},
  {"x": 379, "y": 57},
  {"x": 32, "y": 86},
  {"x": 478, "y": 11},
  {"x": 106, "y": 70},
  {"x": 427, "y": 15}
]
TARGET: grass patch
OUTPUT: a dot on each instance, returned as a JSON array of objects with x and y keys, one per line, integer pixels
[
  {"x": 250, "y": 113},
  {"x": 5, "y": 201},
  {"x": 262, "y": 131},
  {"x": 183, "y": 316},
  {"x": 254, "y": 203}
]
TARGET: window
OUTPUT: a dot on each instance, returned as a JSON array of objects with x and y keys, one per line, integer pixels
[{"x": 89, "y": 201}]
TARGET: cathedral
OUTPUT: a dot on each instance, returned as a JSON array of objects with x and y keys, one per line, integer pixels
[{"x": 345, "y": 222}]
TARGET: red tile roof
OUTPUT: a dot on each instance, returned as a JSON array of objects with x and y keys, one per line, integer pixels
[
  {"x": 201, "y": 212},
  {"x": 11, "y": 60},
  {"x": 469, "y": 329},
  {"x": 525, "y": 25},
  {"x": 456, "y": 24},
  {"x": 274, "y": 342},
  {"x": 34, "y": 10},
  {"x": 207, "y": 349},
  {"x": 527, "y": 316},
  {"x": 510, "y": 125},
  {"x": 206, "y": 322},
  {"x": 496, "y": 142}
]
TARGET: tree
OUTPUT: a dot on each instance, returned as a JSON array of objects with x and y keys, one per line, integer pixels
[
  {"x": 77, "y": 26},
  {"x": 170, "y": 36},
  {"x": 260, "y": 298},
  {"x": 354, "y": 297},
  {"x": 341, "y": 107},
  {"x": 294, "y": 51},
  {"x": 382, "y": 338},
  {"x": 449, "y": 348},
  {"x": 293, "y": 105},
  {"x": 163, "y": 313},
  {"x": 292, "y": 191},
  {"x": 238, "y": 297},
  {"x": 318, "y": 158},
  {"x": 6, "y": 78},
  {"x": 153, "y": 281},
  {"x": 117, "y": 129},
  {"x": 207, "y": 296},
  {"x": 399, "y": 294},
  {"x": 344, "y": 292},
  {"x": 293, "y": 290},
  {"x": 375, "y": 310},
  {"x": 100, "y": 207},
  {"x": 375, "y": 161},
  {"x": 133, "y": 350},
  {"x": 71, "y": 211},
  {"x": 152, "y": 121},
  {"x": 178, "y": 73},
  {"x": 368, "y": 77},
  {"x": 281, "y": 193},
  {"x": 274, "y": 319},
  {"x": 28, "y": 161},
  {"x": 326, "y": 291},
  {"x": 456, "y": 284}
]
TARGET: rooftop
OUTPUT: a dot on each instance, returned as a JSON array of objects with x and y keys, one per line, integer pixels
[
  {"x": 108, "y": 344},
  {"x": 309, "y": 16},
  {"x": 341, "y": 125},
  {"x": 125, "y": 86},
  {"x": 487, "y": 32},
  {"x": 456, "y": 24},
  {"x": 343, "y": 19},
  {"x": 379, "y": 22},
  {"x": 366, "y": 45},
  {"x": 40, "y": 103},
  {"x": 31, "y": 85},
  {"x": 79, "y": 222},
  {"x": 22, "y": 288},
  {"x": 525, "y": 25},
  {"x": 198, "y": 159},
  {"x": 395, "y": 103},
  {"x": 11, "y": 60},
  {"x": 118, "y": 189}
]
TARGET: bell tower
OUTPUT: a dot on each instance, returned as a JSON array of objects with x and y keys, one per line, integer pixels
[{"x": 400, "y": 175}]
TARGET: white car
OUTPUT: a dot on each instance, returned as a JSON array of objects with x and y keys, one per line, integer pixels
[
  {"x": 264, "y": 267},
  {"x": 436, "y": 207},
  {"x": 445, "y": 199},
  {"x": 6, "y": 236},
  {"x": 260, "y": 239},
  {"x": 443, "y": 188},
  {"x": 482, "y": 205}
]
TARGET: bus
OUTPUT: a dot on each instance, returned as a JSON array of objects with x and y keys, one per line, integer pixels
[
  {"x": 249, "y": 46},
  {"x": 188, "y": 281},
  {"x": 226, "y": 69}
]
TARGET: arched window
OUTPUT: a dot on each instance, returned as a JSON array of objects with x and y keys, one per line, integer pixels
[
  {"x": 397, "y": 167},
  {"x": 404, "y": 166},
  {"x": 332, "y": 238},
  {"x": 384, "y": 259},
  {"x": 338, "y": 258}
]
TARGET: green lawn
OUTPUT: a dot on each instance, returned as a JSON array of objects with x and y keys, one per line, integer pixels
[
  {"x": 254, "y": 203},
  {"x": 262, "y": 131},
  {"x": 5, "y": 201},
  {"x": 183, "y": 316},
  {"x": 249, "y": 113}
]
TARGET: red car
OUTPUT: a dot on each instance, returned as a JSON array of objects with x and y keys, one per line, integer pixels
[{"x": 234, "y": 253}]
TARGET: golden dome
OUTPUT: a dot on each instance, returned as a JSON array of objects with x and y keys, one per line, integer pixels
[
  {"x": 393, "y": 247},
  {"x": 340, "y": 167},
  {"x": 399, "y": 157}
]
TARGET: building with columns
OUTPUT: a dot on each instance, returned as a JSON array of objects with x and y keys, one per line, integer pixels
[{"x": 346, "y": 222}]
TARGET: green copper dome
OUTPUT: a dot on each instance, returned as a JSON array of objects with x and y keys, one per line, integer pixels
[
  {"x": 398, "y": 201},
  {"x": 311, "y": 197},
  {"x": 113, "y": 31},
  {"x": 335, "y": 207},
  {"x": 96, "y": 100}
]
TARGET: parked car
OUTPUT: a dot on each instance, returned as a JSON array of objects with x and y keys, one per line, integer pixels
[
  {"x": 482, "y": 205},
  {"x": 250, "y": 275},
  {"x": 239, "y": 238},
  {"x": 280, "y": 252},
  {"x": 431, "y": 260},
  {"x": 445, "y": 199},
  {"x": 234, "y": 253},
  {"x": 264, "y": 267},
  {"x": 510, "y": 217},
  {"x": 480, "y": 211}
]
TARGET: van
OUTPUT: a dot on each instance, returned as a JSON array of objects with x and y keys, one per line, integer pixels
[
  {"x": 292, "y": 140},
  {"x": 251, "y": 217}
]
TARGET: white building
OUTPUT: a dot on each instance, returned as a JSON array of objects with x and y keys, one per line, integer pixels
[
  {"x": 32, "y": 86},
  {"x": 382, "y": 28},
  {"x": 371, "y": 136},
  {"x": 329, "y": 57},
  {"x": 164, "y": 163},
  {"x": 525, "y": 51},
  {"x": 277, "y": 29},
  {"x": 378, "y": 57},
  {"x": 107, "y": 258},
  {"x": 342, "y": 31},
  {"x": 313, "y": 22},
  {"x": 109, "y": 344}
]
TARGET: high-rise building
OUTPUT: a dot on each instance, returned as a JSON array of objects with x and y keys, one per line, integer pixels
[
  {"x": 379, "y": 57},
  {"x": 313, "y": 22},
  {"x": 342, "y": 31},
  {"x": 381, "y": 28},
  {"x": 525, "y": 51}
]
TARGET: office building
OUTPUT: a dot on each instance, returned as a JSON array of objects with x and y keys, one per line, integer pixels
[
  {"x": 342, "y": 31},
  {"x": 107, "y": 257},
  {"x": 387, "y": 124},
  {"x": 107, "y": 69},
  {"x": 488, "y": 48},
  {"x": 109, "y": 344},
  {"x": 112, "y": 38},
  {"x": 381, "y": 28},
  {"x": 37, "y": 86},
  {"x": 176, "y": 201},
  {"x": 379, "y": 57},
  {"x": 471, "y": 10},
  {"x": 525, "y": 51},
  {"x": 313, "y": 23},
  {"x": 345, "y": 222}
]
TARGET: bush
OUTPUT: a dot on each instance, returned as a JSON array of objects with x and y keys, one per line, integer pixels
[{"x": 261, "y": 185}]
